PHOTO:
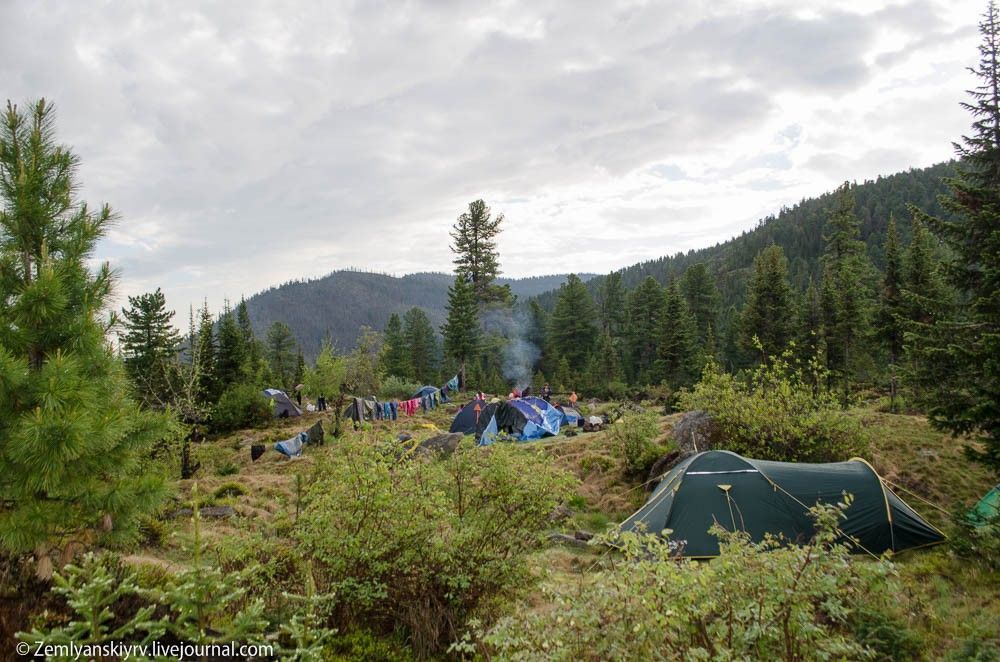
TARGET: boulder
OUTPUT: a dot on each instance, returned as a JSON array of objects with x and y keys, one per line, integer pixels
[
  {"x": 693, "y": 433},
  {"x": 441, "y": 443},
  {"x": 564, "y": 539}
]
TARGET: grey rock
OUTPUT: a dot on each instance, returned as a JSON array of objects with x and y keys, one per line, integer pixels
[{"x": 441, "y": 443}]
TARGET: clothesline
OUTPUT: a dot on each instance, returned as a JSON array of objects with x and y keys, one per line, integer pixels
[{"x": 392, "y": 409}]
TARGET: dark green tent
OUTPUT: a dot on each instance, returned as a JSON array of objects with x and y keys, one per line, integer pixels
[
  {"x": 988, "y": 507},
  {"x": 762, "y": 497}
]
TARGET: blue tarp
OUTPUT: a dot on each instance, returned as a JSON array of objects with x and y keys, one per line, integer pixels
[
  {"x": 490, "y": 433},
  {"x": 292, "y": 447}
]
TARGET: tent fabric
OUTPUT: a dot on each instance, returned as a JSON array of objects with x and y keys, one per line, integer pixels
[
  {"x": 292, "y": 447},
  {"x": 468, "y": 418},
  {"x": 424, "y": 391},
  {"x": 489, "y": 432},
  {"x": 988, "y": 507},
  {"x": 283, "y": 406},
  {"x": 760, "y": 497},
  {"x": 570, "y": 416},
  {"x": 511, "y": 417}
]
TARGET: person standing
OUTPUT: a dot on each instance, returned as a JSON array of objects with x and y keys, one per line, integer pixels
[{"x": 547, "y": 393}]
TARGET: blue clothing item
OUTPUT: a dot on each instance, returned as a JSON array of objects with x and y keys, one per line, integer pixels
[
  {"x": 423, "y": 403},
  {"x": 394, "y": 407},
  {"x": 453, "y": 383},
  {"x": 490, "y": 433},
  {"x": 444, "y": 394},
  {"x": 292, "y": 447}
]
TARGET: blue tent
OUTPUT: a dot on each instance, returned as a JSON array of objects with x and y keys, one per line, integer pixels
[
  {"x": 424, "y": 391},
  {"x": 467, "y": 420}
]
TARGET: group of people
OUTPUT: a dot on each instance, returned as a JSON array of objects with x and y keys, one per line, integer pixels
[{"x": 546, "y": 394}]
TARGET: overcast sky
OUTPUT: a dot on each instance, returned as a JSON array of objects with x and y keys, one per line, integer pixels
[{"x": 247, "y": 143}]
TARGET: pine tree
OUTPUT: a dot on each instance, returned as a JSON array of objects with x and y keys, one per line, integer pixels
[
  {"x": 572, "y": 327},
  {"x": 677, "y": 350},
  {"x": 395, "y": 360},
  {"x": 477, "y": 260},
  {"x": 605, "y": 366},
  {"x": 421, "y": 343},
  {"x": 611, "y": 303},
  {"x": 300, "y": 369},
  {"x": 964, "y": 351},
  {"x": 769, "y": 312},
  {"x": 890, "y": 319},
  {"x": 149, "y": 346},
  {"x": 702, "y": 297},
  {"x": 254, "y": 352},
  {"x": 846, "y": 275},
  {"x": 461, "y": 329},
  {"x": 646, "y": 306},
  {"x": 809, "y": 326},
  {"x": 231, "y": 353},
  {"x": 281, "y": 349},
  {"x": 206, "y": 383},
  {"x": 73, "y": 444}
]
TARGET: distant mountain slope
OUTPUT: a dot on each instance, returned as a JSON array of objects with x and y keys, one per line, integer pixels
[
  {"x": 340, "y": 303},
  {"x": 799, "y": 231}
]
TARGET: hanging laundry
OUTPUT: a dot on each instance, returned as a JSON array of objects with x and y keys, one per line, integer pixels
[
  {"x": 393, "y": 408},
  {"x": 453, "y": 383}
]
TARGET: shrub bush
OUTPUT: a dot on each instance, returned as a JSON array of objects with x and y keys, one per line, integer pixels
[
  {"x": 397, "y": 387},
  {"x": 780, "y": 411},
  {"x": 241, "y": 406},
  {"x": 425, "y": 544},
  {"x": 632, "y": 437},
  {"x": 755, "y": 601}
]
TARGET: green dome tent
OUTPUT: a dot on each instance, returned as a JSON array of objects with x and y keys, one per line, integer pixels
[
  {"x": 759, "y": 497},
  {"x": 988, "y": 507}
]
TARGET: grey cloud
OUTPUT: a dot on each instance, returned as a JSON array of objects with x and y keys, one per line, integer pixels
[{"x": 268, "y": 144}]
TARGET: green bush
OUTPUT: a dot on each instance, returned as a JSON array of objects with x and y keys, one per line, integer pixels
[
  {"x": 227, "y": 490},
  {"x": 425, "y": 544},
  {"x": 241, "y": 406},
  {"x": 632, "y": 438},
  {"x": 755, "y": 601},
  {"x": 780, "y": 411},
  {"x": 396, "y": 387}
]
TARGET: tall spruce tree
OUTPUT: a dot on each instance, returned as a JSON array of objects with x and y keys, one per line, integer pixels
[
  {"x": 149, "y": 346},
  {"x": 965, "y": 350},
  {"x": 395, "y": 359},
  {"x": 573, "y": 328},
  {"x": 809, "y": 326},
  {"x": 231, "y": 353},
  {"x": 73, "y": 444},
  {"x": 702, "y": 298},
  {"x": 421, "y": 343},
  {"x": 206, "y": 383},
  {"x": 477, "y": 260},
  {"x": 605, "y": 365},
  {"x": 891, "y": 316},
  {"x": 611, "y": 304},
  {"x": 677, "y": 355},
  {"x": 281, "y": 350},
  {"x": 769, "y": 311},
  {"x": 846, "y": 275},
  {"x": 646, "y": 305},
  {"x": 461, "y": 331},
  {"x": 255, "y": 363}
]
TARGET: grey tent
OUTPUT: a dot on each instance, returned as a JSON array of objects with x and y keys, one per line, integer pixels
[
  {"x": 761, "y": 497},
  {"x": 283, "y": 406}
]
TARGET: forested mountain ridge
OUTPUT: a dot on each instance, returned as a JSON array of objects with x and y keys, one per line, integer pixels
[
  {"x": 799, "y": 230},
  {"x": 339, "y": 304}
]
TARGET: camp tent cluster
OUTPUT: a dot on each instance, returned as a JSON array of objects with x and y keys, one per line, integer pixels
[
  {"x": 523, "y": 419},
  {"x": 761, "y": 497}
]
